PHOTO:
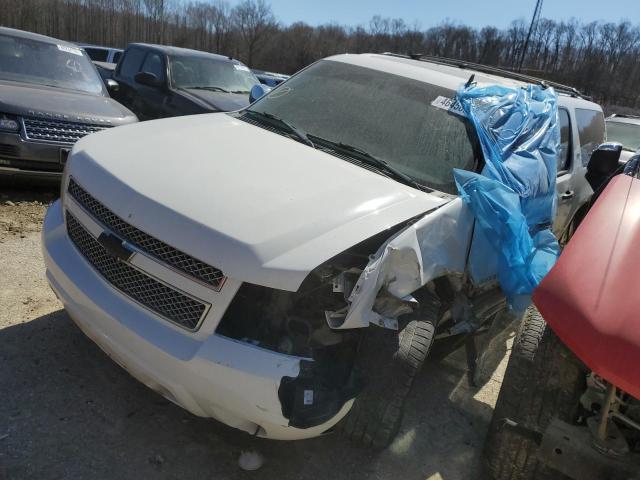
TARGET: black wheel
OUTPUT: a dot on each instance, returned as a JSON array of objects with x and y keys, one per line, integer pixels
[
  {"x": 543, "y": 379},
  {"x": 388, "y": 362}
]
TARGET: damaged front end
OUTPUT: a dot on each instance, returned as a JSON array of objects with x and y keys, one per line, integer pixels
[
  {"x": 300, "y": 324},
  {"x": 417, "y": 263}
]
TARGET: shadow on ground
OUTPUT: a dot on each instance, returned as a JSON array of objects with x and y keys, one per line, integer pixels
[
  {"x": 27, "y": 191},
  {"x": 68, "y": 411}
]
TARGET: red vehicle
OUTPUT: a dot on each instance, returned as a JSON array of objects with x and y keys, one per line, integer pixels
[{"x": 569, "y": 406}]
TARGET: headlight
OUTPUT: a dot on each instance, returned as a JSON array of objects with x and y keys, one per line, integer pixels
[{"x": 9, "y": 123}]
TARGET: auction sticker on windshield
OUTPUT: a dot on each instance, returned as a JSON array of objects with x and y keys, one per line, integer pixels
[
  {"x": 74, "y": 51},
  {"x": 449, "y": 104}
]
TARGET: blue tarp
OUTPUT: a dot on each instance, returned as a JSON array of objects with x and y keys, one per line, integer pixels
[{"x": 514, "y": 199}]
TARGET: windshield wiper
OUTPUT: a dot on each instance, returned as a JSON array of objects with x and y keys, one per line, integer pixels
[
  {"x": 376, "y": 162},
  {"x": 215, "y": 89},
  {"x": 296, "y": 131}
]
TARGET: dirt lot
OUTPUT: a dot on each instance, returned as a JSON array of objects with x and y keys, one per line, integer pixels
[{"x": 67, "y": 411}]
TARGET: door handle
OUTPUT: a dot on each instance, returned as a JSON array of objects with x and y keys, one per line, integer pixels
[{"x": 567, "y": 195}]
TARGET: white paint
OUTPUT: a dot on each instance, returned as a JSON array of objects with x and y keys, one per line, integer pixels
[
  {"x": 72, "y": 50},
  {"x": 263, "y": 208},
  {"x": 207, "y": 374},
  {"x": 449, "y": 104}
]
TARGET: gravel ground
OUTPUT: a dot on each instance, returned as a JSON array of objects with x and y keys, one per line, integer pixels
[{"x": 67, "y": 411}]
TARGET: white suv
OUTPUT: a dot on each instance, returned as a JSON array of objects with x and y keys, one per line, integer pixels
[{"x": 233, "y": 261}]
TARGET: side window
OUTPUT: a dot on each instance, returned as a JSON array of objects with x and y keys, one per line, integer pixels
[
  {"x": 154, "y": 64},
  {"x": 116, "y": 57},
  {"x": 97, "y": 54},
  {"x": 590, "y": 130},
  {"x": 131, "y": 63},
  {"x": 564, "y": 155}
]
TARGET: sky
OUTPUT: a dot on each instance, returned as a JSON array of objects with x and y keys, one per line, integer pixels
[{"x": 428, "y": 13}]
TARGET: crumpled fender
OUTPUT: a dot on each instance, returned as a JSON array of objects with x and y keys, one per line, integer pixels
[{"x": 435, "y": 245}]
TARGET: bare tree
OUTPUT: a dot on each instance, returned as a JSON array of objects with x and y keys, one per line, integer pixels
[
  {"x": 221, "y": 21},
  {"x": 599, "y": 58},
  {"x": 253, "y": 19}
]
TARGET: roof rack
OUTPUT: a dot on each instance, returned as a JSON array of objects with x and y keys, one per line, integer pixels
[{"x": 492, "y": 70}]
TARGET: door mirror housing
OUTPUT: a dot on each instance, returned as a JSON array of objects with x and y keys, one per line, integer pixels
[
  {"x": 604, "y": 162},
  {"x": 258, "y": 91},
  {"x": 148, "y": 79},
  {"x": 112, "y": 85}
]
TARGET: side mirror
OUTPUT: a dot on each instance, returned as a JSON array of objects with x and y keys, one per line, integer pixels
[
  {"x": 258, "y": 91},
  {"x": 632, "y": 167},
  {"x": 603, "y": 164},
  {"x": 112, "y": 85},
  {"x": 148, "y": 79}
]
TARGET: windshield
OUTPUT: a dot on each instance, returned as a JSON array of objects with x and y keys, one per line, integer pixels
[
  {"x": 41, "y": 63},
  {"x": 207, "y": 72},
  {"x": 628, "y": 134},
  {"x": 389, "y": 117}
]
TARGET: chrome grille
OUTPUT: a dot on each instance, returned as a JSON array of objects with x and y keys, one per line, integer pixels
[
  {"x": 158, "y": 297},
  {"x": 145, "y": 242},
  {"x": 58, "y": 130}
]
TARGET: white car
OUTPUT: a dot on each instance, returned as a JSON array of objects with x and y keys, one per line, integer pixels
[{"x": 275, "y": 279}]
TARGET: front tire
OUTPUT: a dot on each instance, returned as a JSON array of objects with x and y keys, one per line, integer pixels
[
  {"x": 543, "y": 380},
  {"x": 388, "y": 362}
]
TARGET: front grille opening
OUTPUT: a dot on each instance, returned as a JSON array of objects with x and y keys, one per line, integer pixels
[
  {"x": 170, "y": 304},
  {"x": 9, "y": 150},
  {"x": 58, "y": 130},
  {"x": 173, "y": 257}
]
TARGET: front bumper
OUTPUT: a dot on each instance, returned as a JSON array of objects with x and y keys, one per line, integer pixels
[
  {"x": 31, "y": 159},
  {"x": 208, "y": 375}
]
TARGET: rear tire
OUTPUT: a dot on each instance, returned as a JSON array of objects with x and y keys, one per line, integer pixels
[
  {"x": 388, "y": 363},
  {"x": 543, "y": 380}
]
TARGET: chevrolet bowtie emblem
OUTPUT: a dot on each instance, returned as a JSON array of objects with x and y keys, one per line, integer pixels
[{"x": 115, "y": 246}]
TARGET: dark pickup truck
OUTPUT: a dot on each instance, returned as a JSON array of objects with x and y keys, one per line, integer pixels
[{"x": 158, "y": 81}]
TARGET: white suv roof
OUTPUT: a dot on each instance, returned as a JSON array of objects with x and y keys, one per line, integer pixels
[{"x": 444, "y": 75}]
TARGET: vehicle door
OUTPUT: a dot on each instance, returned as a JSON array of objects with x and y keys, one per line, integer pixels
[
  {"x": 584, "y": 133},
  {"x": 152, "y": 98},
  {"x": 567, "y": 163},
  {"x": 126, "y": 70}
]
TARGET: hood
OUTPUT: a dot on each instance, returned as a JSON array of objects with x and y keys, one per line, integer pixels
[
  {"x": 583, "y": 301},
  {"x": 60, "y": 104},
  {"x": 221, "y": 101},
  {"x": 263, "y": 208}
]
